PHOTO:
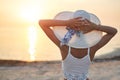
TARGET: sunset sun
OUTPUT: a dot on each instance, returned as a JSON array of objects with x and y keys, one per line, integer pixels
[{"x": 31, "y": 13}]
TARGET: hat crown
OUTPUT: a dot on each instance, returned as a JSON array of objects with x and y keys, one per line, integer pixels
[
  {"x": 82, "y": 13},
  {"x": 85, "y": 15}
]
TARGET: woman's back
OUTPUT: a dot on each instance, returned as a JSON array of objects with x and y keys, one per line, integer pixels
[{"x": 74, "y": 67}]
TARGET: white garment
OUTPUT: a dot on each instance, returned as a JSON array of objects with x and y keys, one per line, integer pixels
[{"x": 75, "y": 68}]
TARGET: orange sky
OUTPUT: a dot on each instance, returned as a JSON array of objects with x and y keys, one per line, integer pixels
[{"x": 14, "y": 12}]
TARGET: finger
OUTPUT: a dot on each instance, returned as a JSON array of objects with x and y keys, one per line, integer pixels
[
  {"x": 86, "y": 20},
  {"x": 86, "y": 23},
  {"x": 78, "y": 18},
  {"x": 78, "y": 22}
]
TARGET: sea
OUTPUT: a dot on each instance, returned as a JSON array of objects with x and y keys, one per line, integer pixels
[{"x": 31, "y": 44}]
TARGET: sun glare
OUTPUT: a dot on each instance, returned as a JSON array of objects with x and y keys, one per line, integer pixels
[
  {"x": 31, "y": 13},
  {"x": 32, "y": 40}
]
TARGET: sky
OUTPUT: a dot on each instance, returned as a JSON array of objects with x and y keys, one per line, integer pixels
[
  {"x": 22, "y": 12},
  {"x": 19, "y": 21}
]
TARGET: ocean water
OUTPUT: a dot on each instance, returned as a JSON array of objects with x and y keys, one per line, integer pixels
[
  {"x": 28, "y": 44},
  {"x": 31, "y": 44}
]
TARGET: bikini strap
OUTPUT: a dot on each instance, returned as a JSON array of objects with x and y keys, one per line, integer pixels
[
  {"x": 69, "y": 50},
  {"x": 88, "y": 51}
]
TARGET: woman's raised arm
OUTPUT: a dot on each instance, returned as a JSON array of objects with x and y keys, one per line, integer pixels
[
  {"x": 110, "y": 32},
  {"x": 46, "y": 24}
]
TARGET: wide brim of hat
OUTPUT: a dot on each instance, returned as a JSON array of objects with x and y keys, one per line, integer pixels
[{"x": 84, "y": 41}]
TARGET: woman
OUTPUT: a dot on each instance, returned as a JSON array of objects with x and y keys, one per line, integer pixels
[{"x": 72, "y": 57}]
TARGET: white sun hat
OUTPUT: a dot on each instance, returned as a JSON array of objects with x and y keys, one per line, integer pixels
[{"x": 85, "y": 40}]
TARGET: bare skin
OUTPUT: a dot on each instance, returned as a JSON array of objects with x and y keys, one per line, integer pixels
[{"x": 78, "y": 24}]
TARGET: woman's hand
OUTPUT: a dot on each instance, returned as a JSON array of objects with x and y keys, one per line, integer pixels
[
  {"x": 81, "y": 25},
  {"x": 87, "y": 26},
  {"x": 75, "y": 23},
  {"x": 90, "y": 24}
]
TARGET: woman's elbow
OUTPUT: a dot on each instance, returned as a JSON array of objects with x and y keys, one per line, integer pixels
[
  {"x": 43, "y": 23},
  {"x": 40, "y": 22},
  {"x": 115, "y": 31}
]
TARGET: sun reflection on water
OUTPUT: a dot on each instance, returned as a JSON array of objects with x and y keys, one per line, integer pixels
[{"x": 32, "y": 41}]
